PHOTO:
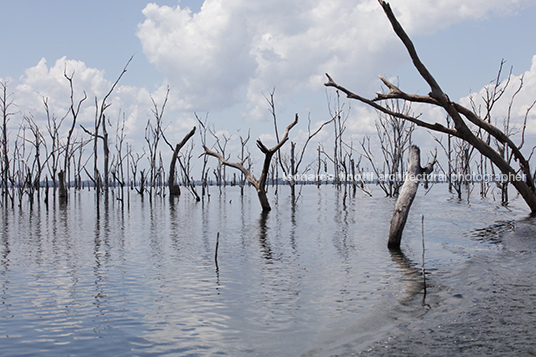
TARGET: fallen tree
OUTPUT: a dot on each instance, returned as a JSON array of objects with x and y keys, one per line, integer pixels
[{"x": 462, "y": 117}]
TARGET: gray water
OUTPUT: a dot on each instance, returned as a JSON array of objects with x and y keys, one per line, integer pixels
[{"x": 310, "y": 278}]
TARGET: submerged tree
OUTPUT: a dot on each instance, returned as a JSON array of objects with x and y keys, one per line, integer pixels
[
  {"x": 174, "y": 189},
  {"x": 461, "y": 116},
  {"x": 407, "y": 194},
  {"x": 5, "y": 106},
  {"x": 74, "y": 109},
  {"x": 260, "y": 184},
  {"x": 394, "y": 135}
]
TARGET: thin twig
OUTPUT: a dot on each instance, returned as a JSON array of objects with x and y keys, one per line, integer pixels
[
  {"x": 423, "y": 250},
  {"x": 217, "y": 245}
]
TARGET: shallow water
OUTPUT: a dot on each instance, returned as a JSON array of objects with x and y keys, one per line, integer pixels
[{"x": 311, "y": 278}]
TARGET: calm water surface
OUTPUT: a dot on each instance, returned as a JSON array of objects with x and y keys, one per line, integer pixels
[{"x": 310, "y": 278}]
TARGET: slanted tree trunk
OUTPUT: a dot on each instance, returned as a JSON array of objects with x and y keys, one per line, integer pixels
[
  {"x": 174, "y": 189},
  {"x": 414, "y": 175},
  {"x": 463, "y": 118}
]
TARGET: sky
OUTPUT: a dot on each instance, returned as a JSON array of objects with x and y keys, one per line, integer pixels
[{"x": 223, "y": 57}]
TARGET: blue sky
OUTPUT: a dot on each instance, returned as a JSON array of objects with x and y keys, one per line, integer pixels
[{"x": 223, "y": 56}]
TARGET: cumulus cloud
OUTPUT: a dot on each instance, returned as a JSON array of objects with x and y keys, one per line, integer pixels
[
  {"x": 231, "y": 51},
  {"x": 515, "y": 104},
  {"x": 425, "y": 16},
  {"x": 128, "y": 103}
]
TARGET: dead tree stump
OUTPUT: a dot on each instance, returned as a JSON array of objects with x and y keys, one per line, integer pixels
[{"x": 414, "y": 175}]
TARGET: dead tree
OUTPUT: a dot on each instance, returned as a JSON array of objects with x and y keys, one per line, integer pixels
[
  {"x": 100, "y": 120},
  {"x": 260, "y": 184},
  {"x": 394, "y": 135},
  {"x": 461, "y": 116},
  {"x": 339, "y": 118},
  {"x": 203, "y": 127},
  {"x": 296, "y": 159},
  {"x": 174, "y": 188},
  {"x": 134, "y": 162},
  {"x": 5, "y": 104},
  {"x": 37, "y": 142},
  {"x": 74, "y": 110},
  {"x": 244, "y": 156},
  {"x": 153, "y": 133},
  {"x": 459, "y": 162},
  {"x": 220, "y": 173},
  {"x": 414, "y": 175},
  {"x": 53, "y": 127},
  {"x": 117, "y": 166}
]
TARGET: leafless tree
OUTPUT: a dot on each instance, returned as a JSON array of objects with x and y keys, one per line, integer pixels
[
  {"x": 53, "y": 129},
  {"x": 492, "y": 94},
  {"x": 292, "y": 166},
  {"x": 203, "y": 128},
  {"x": 221, "y": 142},
  {"x": 394, "y": 136},
  {"x": 6, "y": 103},
  {"x": 260, "y": 184},
  {"x": 75, "y": 111},
  {"x": 244, "y": 157},
  {"x": 339, "y": 117},
  {"x": 172, "y": 186},
  {"x": 135, "y": 159},
  {"x": 153, "y": 134},
  {"x": 37, "y": 141},
  {"x": 459, "y": 156},
  {"x": 462, "y": 118},
  {"x": 117, "y": 167},
  {"x": 100, "y": 120},
  {"x": 407, "y": 195}
]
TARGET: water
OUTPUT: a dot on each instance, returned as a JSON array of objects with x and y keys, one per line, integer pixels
[{"x": 310, "y": 278}]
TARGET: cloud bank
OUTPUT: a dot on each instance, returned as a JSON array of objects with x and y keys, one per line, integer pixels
[{"x": 230, "y": 52}]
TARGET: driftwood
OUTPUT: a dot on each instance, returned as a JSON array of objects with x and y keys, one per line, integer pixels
[{"x": 414, "y": 175}]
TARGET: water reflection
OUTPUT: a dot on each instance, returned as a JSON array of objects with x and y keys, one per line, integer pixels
[
  {"x": 142, "y": 278},
  {"x": 413, "y": 283},
  {"x": 263, "y": 233}
]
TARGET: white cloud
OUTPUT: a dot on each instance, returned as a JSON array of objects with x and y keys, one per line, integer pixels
[
  {"x": 426, "y": 16},
  {"x": 522, "y": 101},
  {"x": 127, "y": 102},
  {"x": 224, "y": 58},
  {"x": 235, "y": 50}
]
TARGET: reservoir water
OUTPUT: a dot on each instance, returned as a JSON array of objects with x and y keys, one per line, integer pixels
[{"x": 312, "y": 277}]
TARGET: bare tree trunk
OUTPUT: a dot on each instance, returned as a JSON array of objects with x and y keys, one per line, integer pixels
[
  {"x": 409, "y": 189},
  {"x": 174, "y": 190},
  {"x": 5, "y": 104},
  {"x": 461, "y": 117},
  {"x": 260, "y": 184},
  {"x": 74, "y": 112},
  {"x": 62, "y": 194},
  {"x": 106, "y": 151},
  {"x": 292, "y": 171}
]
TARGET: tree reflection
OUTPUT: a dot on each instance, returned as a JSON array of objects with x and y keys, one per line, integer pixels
[
  {"x": 412, "y": 277},
  {"x": 263, "y": 230}
]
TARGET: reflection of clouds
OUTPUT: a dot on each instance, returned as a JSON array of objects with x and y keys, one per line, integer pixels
[{"x": 142, "y": 280}]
